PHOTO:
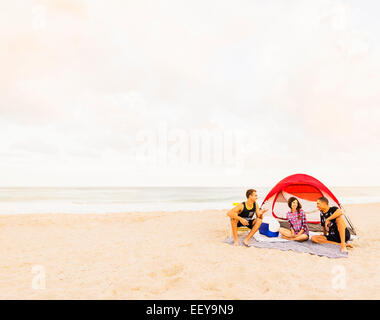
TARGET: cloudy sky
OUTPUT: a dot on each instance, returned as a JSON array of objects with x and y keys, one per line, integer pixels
[{"x": 169, "y": 92}]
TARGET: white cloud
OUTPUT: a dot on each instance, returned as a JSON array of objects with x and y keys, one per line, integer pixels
[{"x": 300, "y": 80}]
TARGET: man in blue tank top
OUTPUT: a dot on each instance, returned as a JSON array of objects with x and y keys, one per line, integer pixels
[{"x": 246, "y": 214}]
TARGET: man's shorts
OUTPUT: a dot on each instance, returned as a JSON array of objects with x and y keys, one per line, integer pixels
[
  {"x": 250, "y": 225},
  {"x": 335, "y": 237}
]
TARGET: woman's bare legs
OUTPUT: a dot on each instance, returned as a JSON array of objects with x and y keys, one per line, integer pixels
[
  {"x": 287, "y": 234},
  {"x": 301, "y": 237}
]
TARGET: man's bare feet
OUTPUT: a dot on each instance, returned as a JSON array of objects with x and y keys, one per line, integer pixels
[
  {"x": 236, "y": 243},
  {"x": 343, "y": 248},
  {"x": 245, "y": 242}
]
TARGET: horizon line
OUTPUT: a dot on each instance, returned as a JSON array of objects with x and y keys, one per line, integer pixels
[{"x": 172, "y": 186}]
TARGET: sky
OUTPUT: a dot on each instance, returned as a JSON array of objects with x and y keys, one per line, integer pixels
[{"x": 189, "y": 93}]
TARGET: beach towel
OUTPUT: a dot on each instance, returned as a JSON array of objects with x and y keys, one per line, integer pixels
[{"x": 325, "y": 249}]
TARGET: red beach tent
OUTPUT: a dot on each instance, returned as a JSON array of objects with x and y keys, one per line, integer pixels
[{"x": 304, "y": 187}]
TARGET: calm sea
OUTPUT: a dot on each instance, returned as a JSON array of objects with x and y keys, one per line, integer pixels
[{"x": 112, "y": 200}]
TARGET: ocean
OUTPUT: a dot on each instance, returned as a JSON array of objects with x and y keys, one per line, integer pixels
[{"x": 145, "y": 199}]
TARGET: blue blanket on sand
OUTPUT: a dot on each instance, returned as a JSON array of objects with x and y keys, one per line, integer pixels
[{"x": 325, "y": 249}]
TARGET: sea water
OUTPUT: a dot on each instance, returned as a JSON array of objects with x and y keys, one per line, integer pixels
[{"x": 144, "y": 199}]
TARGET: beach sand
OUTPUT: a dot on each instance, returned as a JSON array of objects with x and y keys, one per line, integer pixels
[{"x": 166, "y": 255}]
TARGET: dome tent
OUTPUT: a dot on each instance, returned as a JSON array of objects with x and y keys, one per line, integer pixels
[{"x": 307, "y": 189}]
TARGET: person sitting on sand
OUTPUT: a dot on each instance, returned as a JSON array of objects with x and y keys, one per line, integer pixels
[
  {"x": 243, "y": 215},
  {"x": 299, "y": 231},
  {"x": 333, "y": 225}
]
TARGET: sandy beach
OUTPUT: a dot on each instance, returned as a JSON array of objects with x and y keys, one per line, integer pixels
[{"x": 166, "y": 255}]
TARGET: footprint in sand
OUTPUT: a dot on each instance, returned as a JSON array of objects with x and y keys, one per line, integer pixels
[{"x": 172, "y": 271}]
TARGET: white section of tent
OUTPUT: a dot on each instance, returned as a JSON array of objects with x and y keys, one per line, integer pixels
[
  {"x": 307, "y": 190},
  {"x": 278, "y": 206}
]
